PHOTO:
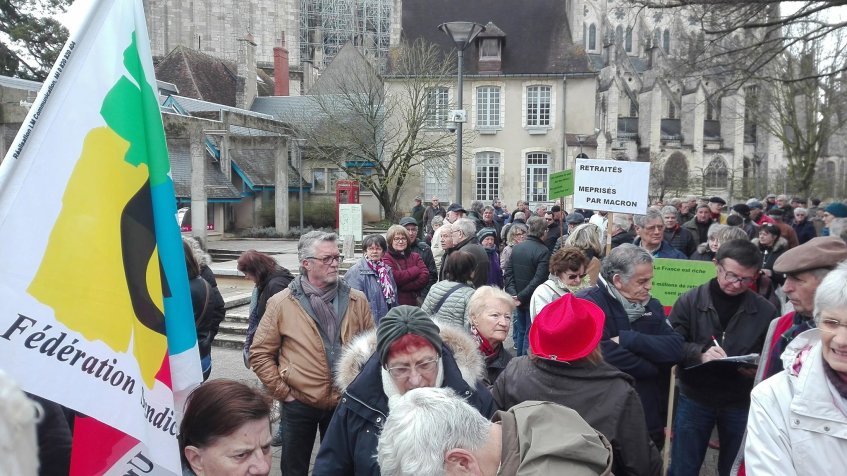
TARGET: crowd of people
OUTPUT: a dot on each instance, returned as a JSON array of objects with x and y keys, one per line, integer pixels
[{"x": 404, "y": 366}]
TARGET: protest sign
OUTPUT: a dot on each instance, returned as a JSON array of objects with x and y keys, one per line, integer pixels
[
  {"x": 561, "y": 184},
  {"x": 612, "y": 185},
  {"x": 673, "y": 277}
]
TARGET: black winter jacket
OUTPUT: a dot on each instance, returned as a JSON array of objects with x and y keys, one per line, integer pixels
[
  {"x": 207, "y": 323},
  {"x": 527, "y": 269},
  {"x": 695, "y": 318},
  {"x": 647, "y": 349}
]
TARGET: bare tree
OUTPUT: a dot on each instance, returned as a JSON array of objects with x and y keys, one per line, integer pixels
[
  {"x": 379, "y": 131},
  {"x": 740, "y": 40}
]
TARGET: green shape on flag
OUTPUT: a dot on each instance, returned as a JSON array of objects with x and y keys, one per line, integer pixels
[
  {"x": 561, "y": 184},
  {"x": 674, "y": 277},
  {"x": 130, "y": 104}
]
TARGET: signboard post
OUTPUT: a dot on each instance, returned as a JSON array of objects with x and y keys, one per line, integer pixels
[
  {"x": 350, "y": 220},
  {"x": 612, "y": 185}
]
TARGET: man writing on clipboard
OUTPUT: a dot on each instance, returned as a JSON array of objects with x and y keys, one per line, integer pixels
[{"x": 726, "y": 310}]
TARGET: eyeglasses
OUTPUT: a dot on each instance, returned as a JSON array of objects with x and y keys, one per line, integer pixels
[
  {"x": 399, "y": 239},
  {"x": 574, "y": 276},
  {"x": 402, "y": 372},
  {"x": 831, "y": 325},
  {"x": 328, "y": 260},
  {"x": 734, "y": 278}
]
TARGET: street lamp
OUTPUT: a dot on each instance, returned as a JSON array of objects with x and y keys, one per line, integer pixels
[{"x": 462, "y": 33}]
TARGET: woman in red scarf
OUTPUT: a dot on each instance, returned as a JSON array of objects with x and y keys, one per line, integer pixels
[{"x": 490, "y": 315}]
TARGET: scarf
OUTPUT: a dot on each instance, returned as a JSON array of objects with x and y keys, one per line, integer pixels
[
  {"x": 633, "y": 310},
  {"x": 321, "y": 301},
  {"x": 835, "y": 379},
  {"x": 381, "y": 271},
  {"x": 488, "y": 351},
  {"x": 799, "y": 324}
]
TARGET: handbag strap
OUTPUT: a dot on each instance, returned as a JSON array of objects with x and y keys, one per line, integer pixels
[
  {"x": 205, "y": 304},
  {"x": 445, "y": 296}
]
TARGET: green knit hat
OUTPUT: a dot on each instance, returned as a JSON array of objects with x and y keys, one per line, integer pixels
[{"x": 402, "y": 320}]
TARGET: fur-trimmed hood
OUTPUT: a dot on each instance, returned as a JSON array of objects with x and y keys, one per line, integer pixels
[
  {"x": 780, "y": 245},
  {"x": 464, "y": 348}
]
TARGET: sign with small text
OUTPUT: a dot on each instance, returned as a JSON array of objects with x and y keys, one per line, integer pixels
[
  {"x": 350, "y": 220},
  {"x": 561, "y": 184},
  {"x": 674, "y": 277}
]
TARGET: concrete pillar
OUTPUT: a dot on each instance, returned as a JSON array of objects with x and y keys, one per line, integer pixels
[
  {"x": 226, "y": 168},
  {"x": 198, "y": 182},
  {"x": 281, "y": 186}
]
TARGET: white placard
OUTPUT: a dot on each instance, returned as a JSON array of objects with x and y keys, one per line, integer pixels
[
  {"x": 350, "y": 220},
  {"x": 612, "y": 185}
]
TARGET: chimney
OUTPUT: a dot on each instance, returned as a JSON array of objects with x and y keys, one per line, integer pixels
[
  {"x": 246, "y": 88},
  {"x": 281, "y": 68}
]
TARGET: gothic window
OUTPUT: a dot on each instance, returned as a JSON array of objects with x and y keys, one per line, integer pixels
[
  {"x": 716, "y": 175},
  {"x": 592, "y": 37},
  {"x": 666, "y": 41}
]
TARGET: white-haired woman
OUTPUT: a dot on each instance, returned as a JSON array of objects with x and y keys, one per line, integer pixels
[
  {"x": 490, "y": 317},
  {"x": 798, "y": 417}
]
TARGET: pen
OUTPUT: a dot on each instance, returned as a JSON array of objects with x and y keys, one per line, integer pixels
[{"x": 715, "y": 341}]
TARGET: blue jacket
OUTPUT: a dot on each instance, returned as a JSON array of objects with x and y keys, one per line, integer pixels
[
  {"x": 647, "y": 349},
  {"x": 664, "y": 251},
  {"x": 349, "y": 446},
  {"x": 360, "y": 276}
]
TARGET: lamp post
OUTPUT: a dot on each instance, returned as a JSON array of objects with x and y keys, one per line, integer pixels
[{"x": 462, "y": 33}]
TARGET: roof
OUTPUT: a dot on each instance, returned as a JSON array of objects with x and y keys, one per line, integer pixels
[
  {"x": 201, "y": 76},
  {"x": 17, "y": 83},
  {"x": 538, "y": 38},
  {"x": 257, "y": 165},
  {"x": 217, "y": 185},
  {"x": 348, "y": 71}
]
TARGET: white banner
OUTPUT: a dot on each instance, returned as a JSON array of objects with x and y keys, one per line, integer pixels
[{"x": 612, "y": 185}]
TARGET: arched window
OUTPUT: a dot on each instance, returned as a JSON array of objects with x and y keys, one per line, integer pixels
[
  {"x": 666, "y": 41},
  {"x": 716, "y": 175},
  {"x": 592, "y": 37},
  {"x": 628, "y": 40}
]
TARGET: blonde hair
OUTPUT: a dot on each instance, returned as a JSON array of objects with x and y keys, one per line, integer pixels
[
  {"x": 395, "y": 230},
  {"x": 484, "y": 296}
]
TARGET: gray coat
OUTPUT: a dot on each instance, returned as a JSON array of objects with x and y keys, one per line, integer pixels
[
  {"x": 455, "y": 307},
  {"x": 360, "y": 276}
]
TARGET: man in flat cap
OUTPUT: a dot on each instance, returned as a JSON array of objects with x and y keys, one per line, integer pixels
[
  {"x": 716, "y": 204},
  {"x": 804, "y": 266},
  {"x": 454, "y": 212}
]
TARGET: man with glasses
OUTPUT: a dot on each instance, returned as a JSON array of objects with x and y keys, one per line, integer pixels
[
  {"x": 298, "y": 344},
  {"x": 650, "y": 229},
  {"x": 721, "y": 318}
]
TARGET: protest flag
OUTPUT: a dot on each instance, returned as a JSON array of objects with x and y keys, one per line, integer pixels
[{"x": 96, "y": 311}]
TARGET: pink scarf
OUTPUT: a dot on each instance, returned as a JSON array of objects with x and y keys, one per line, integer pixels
[
  {"x": 488, "y": 351},
  {"x": 384, "y": 280}
]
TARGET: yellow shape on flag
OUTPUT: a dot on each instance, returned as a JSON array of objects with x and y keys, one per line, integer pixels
[{"x": 82, "y": 276}]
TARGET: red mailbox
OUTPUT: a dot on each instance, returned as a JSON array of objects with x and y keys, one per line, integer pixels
[{"x": 346, "y": 191}]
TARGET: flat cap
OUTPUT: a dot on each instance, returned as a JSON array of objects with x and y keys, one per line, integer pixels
[
  {"x": 742, "y": 209},
  {"x": 575, "y": 218},
  {"x": 823, "y": 252},
  {"x": 455, "y": 207},
  {"x": 717, "y": 200},
  {"x": 408, "y": 221}
]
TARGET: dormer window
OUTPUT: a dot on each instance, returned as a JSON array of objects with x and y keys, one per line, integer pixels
[
  {"x": 490, "y": 46},
  {"x": 489, "y": 49}
]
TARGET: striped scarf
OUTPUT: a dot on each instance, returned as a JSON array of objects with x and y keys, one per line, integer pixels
[{"x": 381, "y": 271}]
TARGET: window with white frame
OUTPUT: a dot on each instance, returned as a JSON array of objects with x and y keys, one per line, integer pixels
[
  {"x": 487, "y": 176},
  {"x": 436, "y": 107},
  {"x": 538, "y": 105},
  {"x": 488, "y": 106},
  {"x": 490, "y": 49},
  {"x": 537, "y": 171},
  {"x": 436, "y": 180}
]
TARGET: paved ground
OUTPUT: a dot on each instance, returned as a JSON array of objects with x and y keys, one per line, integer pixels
[{"x": 228, "y": 363}]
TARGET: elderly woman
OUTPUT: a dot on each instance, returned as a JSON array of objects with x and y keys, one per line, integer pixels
[
  {"x": 410, "y": 271},
  {"x": 408, "y": 350},
  {"x": 490, "y": 309},
  {"x": 797, "y": 423},
  {"x": 586, "y": 238},
  {"x": 226, "y": 430},
  {"x": 636, "y": 337},
  {"x": 515, "y": 235},
  {"x": 269, "y": 278},
  {"x": 567, "y": 275},
  {"x": 566, "y": 367},
  {"x": 447, "y": 300},
  {"x": 373, "y": 277},
  {"x": 716, "y": 235}
]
